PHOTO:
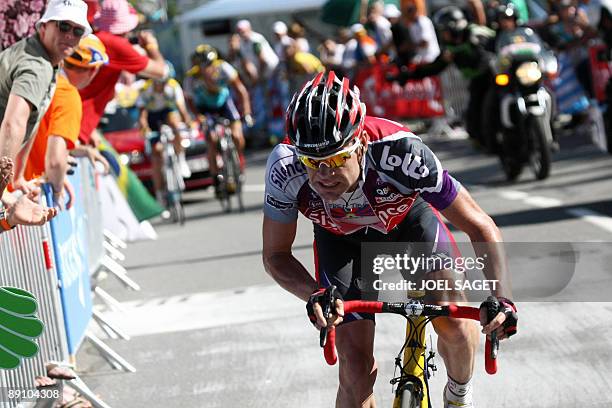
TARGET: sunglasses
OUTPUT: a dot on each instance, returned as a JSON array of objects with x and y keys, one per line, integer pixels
[
  {"x": 333, "y": 161},
  {"x": 65, "y": 27}
]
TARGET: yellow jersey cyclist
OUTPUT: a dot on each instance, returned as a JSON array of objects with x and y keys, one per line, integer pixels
[
  {"x": 207, "y": 90},
  {"x": 163, "y": 102}
]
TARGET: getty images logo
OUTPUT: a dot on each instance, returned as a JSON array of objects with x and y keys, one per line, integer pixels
[{"x": 410, "y": 165}]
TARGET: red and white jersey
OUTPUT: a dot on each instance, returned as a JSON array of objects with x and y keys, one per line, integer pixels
[{"x": 397, "y": 168}]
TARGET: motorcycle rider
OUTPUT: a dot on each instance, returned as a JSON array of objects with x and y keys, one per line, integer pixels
[{"x": 470, "y": 47}]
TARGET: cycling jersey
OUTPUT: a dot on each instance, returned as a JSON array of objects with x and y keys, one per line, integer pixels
[
  {"x": 211, "y": 92},
  {"x": 397, "y": 168},
  {"x": 169, "y": 99}
]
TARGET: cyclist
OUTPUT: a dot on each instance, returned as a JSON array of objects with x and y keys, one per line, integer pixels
[
  {"x": 162, "y": 102},
  {"x": 207, "y": 88},
  {"x": 365, "y": 179}
]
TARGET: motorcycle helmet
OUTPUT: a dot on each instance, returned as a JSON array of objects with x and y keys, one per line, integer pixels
[
  {"x": 324, "y": 115},
  {"x": 507, "y": 11},
  {"x": 450, "y": 19}
]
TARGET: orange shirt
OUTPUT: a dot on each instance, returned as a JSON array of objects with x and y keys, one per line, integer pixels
[{"x": 63, "y": 119}]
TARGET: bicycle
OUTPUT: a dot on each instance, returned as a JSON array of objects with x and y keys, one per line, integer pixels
[
  {"x": 231, "y": 177},
  {"x": 412, "y": 384},
  {"x": 172, "y": 180}
]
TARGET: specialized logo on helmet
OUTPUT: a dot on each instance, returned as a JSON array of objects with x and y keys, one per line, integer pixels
[{"x": 411, "y": 164}]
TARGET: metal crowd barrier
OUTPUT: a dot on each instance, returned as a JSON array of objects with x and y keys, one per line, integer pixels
[
  {"x": 45, "y": 261},
  {"x": 455, "y": 93},
  {"x": 26, "y": 262}
]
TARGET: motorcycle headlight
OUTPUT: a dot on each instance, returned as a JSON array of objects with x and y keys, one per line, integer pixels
[{"x": 528, "y": 73}]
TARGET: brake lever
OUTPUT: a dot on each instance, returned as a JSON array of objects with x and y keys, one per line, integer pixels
[
  {"x": 493, "y": 308},
  {"x": 328, "y": 301}
]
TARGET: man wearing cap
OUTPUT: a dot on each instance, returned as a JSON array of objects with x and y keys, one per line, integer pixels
[
  {"x": 114, "y": 23},
  {"x": 59, "y": 128},
  {"x": 28, "y": 72}
]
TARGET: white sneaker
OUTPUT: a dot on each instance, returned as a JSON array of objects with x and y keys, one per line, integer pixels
[
  {"x": 185, "y": 171},
  {"x": 456, "y": 404}
]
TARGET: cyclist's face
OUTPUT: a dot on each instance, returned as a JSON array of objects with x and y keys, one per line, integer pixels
[{"x": 330, "y": 183}]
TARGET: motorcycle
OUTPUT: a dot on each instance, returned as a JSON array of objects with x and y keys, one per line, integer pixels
[{"x": 524, "y": 136}]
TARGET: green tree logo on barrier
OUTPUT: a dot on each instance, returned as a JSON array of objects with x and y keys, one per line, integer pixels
[{"x": 19, "y": 326}]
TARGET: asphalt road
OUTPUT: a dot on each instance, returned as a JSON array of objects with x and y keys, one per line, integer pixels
[{"x": 210, "y": 329}]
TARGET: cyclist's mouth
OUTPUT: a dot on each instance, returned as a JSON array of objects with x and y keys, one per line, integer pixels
[{"x": 329, "y": 185}]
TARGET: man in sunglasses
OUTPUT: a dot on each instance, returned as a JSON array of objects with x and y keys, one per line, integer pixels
[
  {"x": 363, "y": 179},
  {"x": 28, "y": 71}
]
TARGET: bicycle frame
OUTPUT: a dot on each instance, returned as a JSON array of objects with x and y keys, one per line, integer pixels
[
  {"x": 230, "y": 170},
  {"x": 415, "y": 369}
]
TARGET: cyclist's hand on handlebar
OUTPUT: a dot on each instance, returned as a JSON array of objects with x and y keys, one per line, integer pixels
[
  {"x": 316, "y": 305},
  {"x": 506, "y": 318}
]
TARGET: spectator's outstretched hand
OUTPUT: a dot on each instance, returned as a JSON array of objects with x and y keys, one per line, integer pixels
[
  {"x": 27, "y": 212},
  {"x": 6, "y": 173}
]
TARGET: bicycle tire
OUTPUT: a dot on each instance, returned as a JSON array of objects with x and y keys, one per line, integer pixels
[
  {"x": 174, "y": 186},
  {"x": 236, "y": 173},
  {"x": 226, "y": 203}
]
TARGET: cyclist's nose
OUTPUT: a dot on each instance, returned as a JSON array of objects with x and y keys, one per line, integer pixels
[{"x": 325, "y": 171}]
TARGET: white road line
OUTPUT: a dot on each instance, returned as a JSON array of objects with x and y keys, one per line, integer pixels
[
  {"x": 513, "y": 194},
  {"x": 205, "y": 310},
  {"x": 590, "y": 216},
  {"x": 595, "y": 218},
  {"x": 254, "y": 188},
  {"x": 543, "y": 202}
]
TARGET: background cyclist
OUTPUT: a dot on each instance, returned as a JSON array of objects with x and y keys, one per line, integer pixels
[
  {"x": 161, "y": 101},
  {"x": 365, "y": 179},
  {"x": 207, "y": 88}
]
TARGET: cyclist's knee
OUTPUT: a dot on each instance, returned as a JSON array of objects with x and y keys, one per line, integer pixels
[
  {"x": 355, "y": 352},
  {"x": 456, "y": 331}
]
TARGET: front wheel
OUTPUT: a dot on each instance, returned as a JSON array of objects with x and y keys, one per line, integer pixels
[
  {"x": 608, "y": 127},
  {"x": 408, "y": 395},
  {"x": 541, "y": 135}
]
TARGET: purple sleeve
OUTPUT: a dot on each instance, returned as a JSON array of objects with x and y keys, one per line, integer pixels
[{"x": 446, "y": 195}]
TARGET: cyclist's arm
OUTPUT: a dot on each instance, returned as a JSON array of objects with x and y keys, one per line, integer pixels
[
  {"x": 465, "y": 214},
  {"x": 279, "y": 262},
  {"x": 243, "y": 93}
]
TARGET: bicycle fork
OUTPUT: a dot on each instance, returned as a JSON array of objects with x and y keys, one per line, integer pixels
[{"x": 412, "y": 385}]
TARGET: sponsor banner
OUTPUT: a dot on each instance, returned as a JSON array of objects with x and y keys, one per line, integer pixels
[
  {"x": 69, "y": 230},
  {"x": 419, "y": 99}
]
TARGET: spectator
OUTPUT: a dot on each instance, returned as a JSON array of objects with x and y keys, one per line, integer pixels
[
  {"x": 115, "y": 24},
  {"x": 379, "y": 25},
  {"x": 570, "y": 35},
  {"x": 259, "y": 62},
  {"x": 256, "y": 52},
  {"x": 282, "y": 40},
  {"x": 301, "y": 66},
  {"x": 404, "y": 50},
  {"x": 422, "y": 36},
  {"x": 298, "y": 33},
  {"x": 59, "y": 129},
  {"x": 28, "y": 72},
  {"x": 331, "y": 54},
  {"x": 361, "y": 48}
]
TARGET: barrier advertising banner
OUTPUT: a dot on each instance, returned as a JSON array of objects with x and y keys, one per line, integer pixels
[{"x": 70, "y": 243}]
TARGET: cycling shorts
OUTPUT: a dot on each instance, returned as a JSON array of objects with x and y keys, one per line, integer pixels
[
  {"x": 338, "y": 257},
  {"x": 228, "y": 110},
  {"x": 158, "y": 118}
]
